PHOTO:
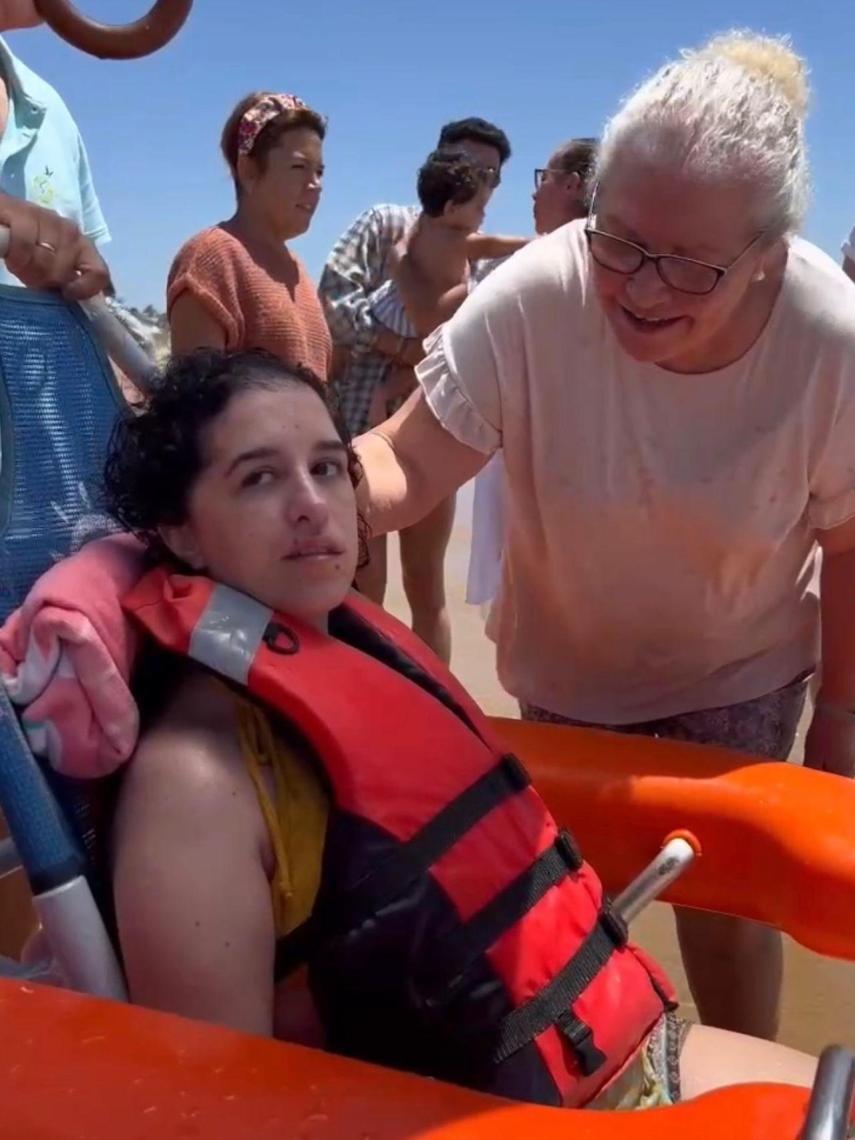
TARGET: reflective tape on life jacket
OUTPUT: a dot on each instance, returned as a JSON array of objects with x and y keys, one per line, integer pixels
[{"x": 457, "y": 932}]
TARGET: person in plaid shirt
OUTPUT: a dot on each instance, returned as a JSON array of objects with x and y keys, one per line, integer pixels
[{"x": 372, "y": 373}]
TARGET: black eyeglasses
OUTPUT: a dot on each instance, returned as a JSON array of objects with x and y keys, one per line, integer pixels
[{"x": 685, "y": 274}]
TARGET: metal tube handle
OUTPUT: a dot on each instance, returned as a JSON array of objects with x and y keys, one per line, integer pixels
[
  {"x": 677, "y": 854},
  {"x": 832, "y": 1097},
  {"x": 114, "y": 338}
]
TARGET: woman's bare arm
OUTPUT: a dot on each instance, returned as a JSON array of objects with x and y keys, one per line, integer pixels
[
  {"x": 486, "y": 247},
  {"x": 192, "y": 895},
  {"x": 191, "y": 326},
  {"x": 411, "y": 464}
]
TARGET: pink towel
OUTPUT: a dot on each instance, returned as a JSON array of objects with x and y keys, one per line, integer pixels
[{"x": 66, "y": 657}]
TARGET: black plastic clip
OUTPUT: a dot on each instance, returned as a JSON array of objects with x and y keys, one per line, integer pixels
[{"x": 280, "y": 639}]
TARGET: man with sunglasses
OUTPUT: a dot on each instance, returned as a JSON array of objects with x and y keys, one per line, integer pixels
[
  {"x": 562, "y": 187},
  {"x": 373, "y": 368}
]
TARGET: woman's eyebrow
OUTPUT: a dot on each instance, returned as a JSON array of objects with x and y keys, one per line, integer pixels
[{"x": 247, "y": 456}]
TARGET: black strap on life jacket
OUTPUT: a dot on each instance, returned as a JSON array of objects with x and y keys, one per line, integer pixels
[
  {"x": 465, "y": 944},
  {"x": 413, "y": 859},
  {"x": 553, "y": 1005},
  {"x": 407, "y": 863}
]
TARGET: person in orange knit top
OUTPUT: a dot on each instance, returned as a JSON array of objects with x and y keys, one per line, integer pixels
[{"x": 236, "y": 284}]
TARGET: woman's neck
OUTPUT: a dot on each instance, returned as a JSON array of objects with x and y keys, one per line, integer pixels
[{"x": 256, "y": 228}]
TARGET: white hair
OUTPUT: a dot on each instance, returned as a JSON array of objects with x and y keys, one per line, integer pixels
[{"x": 733, "y": 109}]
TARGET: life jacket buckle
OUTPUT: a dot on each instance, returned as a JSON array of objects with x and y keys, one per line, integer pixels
[{"x": 581, "y": 1039}]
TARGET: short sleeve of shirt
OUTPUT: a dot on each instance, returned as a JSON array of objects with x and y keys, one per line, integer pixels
[
  {"x": 831, "y": 480},
  {"x": 832, "y": 489},
  {"x": 470, "y": 358},
  {"x": 93, "y": 224},
  {"x": 206, "y": 268}
]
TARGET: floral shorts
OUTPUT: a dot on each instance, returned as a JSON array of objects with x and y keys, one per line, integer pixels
[
  {"x": 765, "y": 726},
  {"x": 652, "y": 1079}
]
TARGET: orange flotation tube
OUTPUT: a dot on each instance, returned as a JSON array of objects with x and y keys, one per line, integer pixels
[
  {"x": 106, "y": 41},
  {"x": 79, "y": 1067},
  {"x": 778, "y": 845}
]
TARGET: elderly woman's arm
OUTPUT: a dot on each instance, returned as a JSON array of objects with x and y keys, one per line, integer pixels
[
  {"x": 411, "y": 463},
  {"x": 830, "y": 743}
]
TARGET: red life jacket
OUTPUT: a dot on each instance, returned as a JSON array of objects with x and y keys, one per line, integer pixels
[{"x": 457, "y": 932}]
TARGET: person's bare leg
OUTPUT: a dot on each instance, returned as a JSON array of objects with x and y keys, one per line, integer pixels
[
  {"x": 713, "y": 1058},
  {"x": 371, "y": 578},
  {"x": 423, "y": 548},
  {"x": 735, "y": 970}
]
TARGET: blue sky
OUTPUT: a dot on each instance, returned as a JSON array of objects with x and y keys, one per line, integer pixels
[{"x": 388, "y": 73}]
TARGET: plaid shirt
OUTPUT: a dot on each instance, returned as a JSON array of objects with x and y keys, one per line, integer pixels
[{"x": 354, "y": 270}]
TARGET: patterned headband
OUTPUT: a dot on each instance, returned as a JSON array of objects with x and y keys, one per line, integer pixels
[{"x": 262, "y": 112}]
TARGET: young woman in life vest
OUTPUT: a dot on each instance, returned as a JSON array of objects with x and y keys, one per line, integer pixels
[{"x": 227, "y": 837}]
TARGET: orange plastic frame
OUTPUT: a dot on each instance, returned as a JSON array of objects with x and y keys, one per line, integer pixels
[
  {"x": 777, "y": 842},
  {"x": 75, "y": 1067},
  {"x": 778, "y": 845}
]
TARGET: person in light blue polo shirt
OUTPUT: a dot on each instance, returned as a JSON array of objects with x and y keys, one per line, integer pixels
[{"x": 42, "y": 156}]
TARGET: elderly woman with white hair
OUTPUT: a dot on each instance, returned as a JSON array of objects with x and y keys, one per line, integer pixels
[{"x": 672, "y": 385}]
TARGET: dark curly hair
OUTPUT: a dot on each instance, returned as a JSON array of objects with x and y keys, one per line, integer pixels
[
  {"x": 475, "y": 130},
  {"x": 448, "y": 176},
  {"x": 154, "y": 457}
]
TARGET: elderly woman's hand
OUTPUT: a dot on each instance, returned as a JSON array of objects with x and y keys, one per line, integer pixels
[{"x": 49, "y": 252}]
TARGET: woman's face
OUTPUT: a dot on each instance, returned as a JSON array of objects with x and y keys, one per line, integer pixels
[
  {"x": 286, "y": 188},
  {"x": 273, "y": 512},
  {"x": 664, "y": 212}
]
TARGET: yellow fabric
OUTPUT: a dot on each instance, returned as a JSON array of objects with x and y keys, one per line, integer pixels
[{"x": 296, "y": 815}]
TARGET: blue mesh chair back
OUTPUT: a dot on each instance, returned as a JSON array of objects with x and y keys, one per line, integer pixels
[{"x": 58, "y": 403}]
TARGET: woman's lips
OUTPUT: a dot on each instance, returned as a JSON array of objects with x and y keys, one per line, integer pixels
[
  {"x": 649, "y": 324},
  {"x": 314, "y": 551}
]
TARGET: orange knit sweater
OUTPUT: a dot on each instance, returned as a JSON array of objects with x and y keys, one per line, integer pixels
[{"x": 259, "y": 301}]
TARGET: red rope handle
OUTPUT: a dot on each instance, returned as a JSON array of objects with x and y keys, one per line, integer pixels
[{"x": 114, "y": 41}]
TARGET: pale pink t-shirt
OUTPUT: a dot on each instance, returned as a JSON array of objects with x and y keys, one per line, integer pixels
[{"x": 660, "y": 526}]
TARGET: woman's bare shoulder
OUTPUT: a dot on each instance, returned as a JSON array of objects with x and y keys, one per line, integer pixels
[{"x": 191, "y": 757}]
